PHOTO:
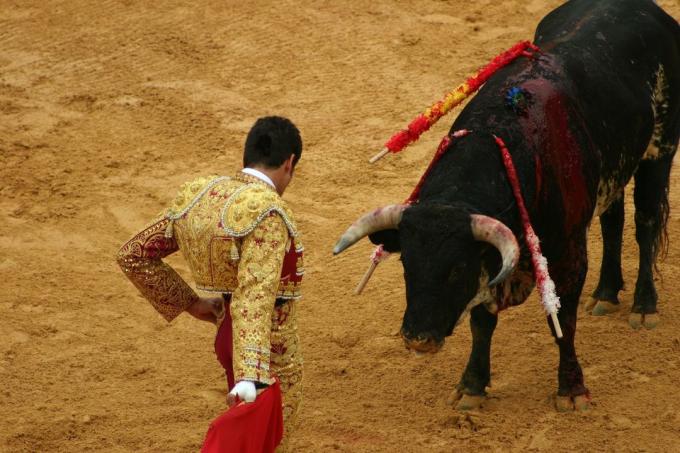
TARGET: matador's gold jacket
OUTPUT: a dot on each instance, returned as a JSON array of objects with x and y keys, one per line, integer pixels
[{"x": 238, "y": 237}]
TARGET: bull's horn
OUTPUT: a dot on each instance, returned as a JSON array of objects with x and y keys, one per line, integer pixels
[
  {"x": 385, "y": 218},
  {"x": 488, "y": 229}
]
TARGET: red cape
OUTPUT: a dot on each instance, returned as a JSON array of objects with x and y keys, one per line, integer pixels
[{"x": 255, "y": 427}]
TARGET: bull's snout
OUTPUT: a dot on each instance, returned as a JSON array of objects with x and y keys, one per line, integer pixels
[{"x": 421, "y": 343}]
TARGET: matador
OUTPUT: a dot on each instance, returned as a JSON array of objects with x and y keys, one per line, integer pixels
[{"x": 240, "y": 241}]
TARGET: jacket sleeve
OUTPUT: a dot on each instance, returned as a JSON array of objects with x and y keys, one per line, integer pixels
[
  {"x": 141, "y": 260},
  {"x": 252, "y": 305}
]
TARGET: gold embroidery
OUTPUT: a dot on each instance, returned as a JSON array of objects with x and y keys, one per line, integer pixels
[
  {"x": 253, "y": 302},
  {"x": 286, "y": 362},
  {"x": 251, "y": 203},
  {"x": 189, "y": 192},
  {"x": 141, "y": 260},
  {"x": 223, "y": 269},
  {"x": 229, "y": 208},
  {"x": 260, "y": 272}
]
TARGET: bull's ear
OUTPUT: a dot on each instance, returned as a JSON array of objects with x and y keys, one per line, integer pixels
[{"x": 388, "y": 238}]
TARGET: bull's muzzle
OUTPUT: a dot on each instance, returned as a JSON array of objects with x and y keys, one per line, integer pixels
[{"x": 422, "y": 344}]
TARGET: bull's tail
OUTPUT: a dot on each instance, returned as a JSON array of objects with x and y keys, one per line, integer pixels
[
  {"x": 659, "y": 156},
  {"x": 660, "y": 245}
]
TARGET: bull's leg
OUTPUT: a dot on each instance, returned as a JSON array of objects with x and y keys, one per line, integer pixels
[
  {"x": 651, "y": 213},
  {"x": 605, "y": 297},
  {"x": 651, "y": 194},
  {"x": 471, "y": 390},
  {"x": 569, "y": 274}
]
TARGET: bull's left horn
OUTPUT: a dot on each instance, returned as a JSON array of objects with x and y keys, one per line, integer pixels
[
  {"x": 385, "y": 218},
  {"x": 488, "y": 229}
]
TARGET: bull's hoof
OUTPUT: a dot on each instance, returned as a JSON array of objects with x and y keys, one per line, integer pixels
[
  {"x": 470, "y": 402},
  {"x": 564, "y": 404},
  {"x": 604, "y": 307},
  {"x": 577, "y": 403},
  {"x": 651, "y": 320},
  {"x": 589, "y": 304},
  {"x": 454, "y": 397},
  {"x": 465, "y": 402},
  {"x": 635, "y": 320},
  {"x": 647, "y": 320}
]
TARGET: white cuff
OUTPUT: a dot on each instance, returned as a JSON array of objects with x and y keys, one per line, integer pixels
[{"x": 245, "y": 390}]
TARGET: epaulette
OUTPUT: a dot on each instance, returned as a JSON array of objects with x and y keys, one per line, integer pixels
[
  {"x": 249, "y": 205},
  {"x": 190, "y": 191},
  {"x": 188, "y": 195}
]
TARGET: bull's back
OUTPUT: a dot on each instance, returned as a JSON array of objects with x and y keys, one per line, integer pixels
[
  {"x": 615, "y": 53},
  {"x": 589, "y": 117},
  {"x": 610, "y": 29}
]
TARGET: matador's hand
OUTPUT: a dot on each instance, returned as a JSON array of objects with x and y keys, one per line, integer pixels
[
  {"x": 243, "y": 391},
  {"x": 207, "y": 309}
]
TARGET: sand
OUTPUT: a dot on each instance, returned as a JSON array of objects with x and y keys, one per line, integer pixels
[{"x": 108, "y": 106}]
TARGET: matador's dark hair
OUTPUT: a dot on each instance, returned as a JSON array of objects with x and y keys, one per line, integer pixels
[{"x": 271, "y": 141}]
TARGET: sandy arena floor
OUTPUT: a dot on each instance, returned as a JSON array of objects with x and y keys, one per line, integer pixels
[{"x": 106, "y": 109}]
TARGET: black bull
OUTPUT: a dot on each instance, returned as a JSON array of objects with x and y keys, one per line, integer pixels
[{"x": 597, "y": 106}]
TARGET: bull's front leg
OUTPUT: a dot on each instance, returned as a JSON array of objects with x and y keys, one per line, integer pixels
[
  {"x": 569, "y": 275},
  {"x": 471, "y": 389}
]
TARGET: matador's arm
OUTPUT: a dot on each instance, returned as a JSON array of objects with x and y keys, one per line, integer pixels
[
  {"x": 252, "y": 305},
  {"x": 141, "y": 260}
]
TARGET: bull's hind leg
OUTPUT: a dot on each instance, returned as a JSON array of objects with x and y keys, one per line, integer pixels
[
  {"x": 569, "y": 272},
  {"x": 471, "y": 390},
  {"x": 651, "y": 192},
  {"x": 651, "y": 214},
  {"x": 605, "y": 298}
]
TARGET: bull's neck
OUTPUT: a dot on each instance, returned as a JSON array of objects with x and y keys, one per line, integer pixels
[{"x": 472, "y": 176}]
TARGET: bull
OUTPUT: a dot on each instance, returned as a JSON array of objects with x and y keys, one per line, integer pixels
[{"x": 598, "y": 106}]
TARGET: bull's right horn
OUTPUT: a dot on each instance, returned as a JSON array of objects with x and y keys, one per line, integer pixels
[
  {"x": 488, "y": 229},
  {"x": 385, "y": 218}
]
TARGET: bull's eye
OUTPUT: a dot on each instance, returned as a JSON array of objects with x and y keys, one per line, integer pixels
[{"x": 457, "y": 271}]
